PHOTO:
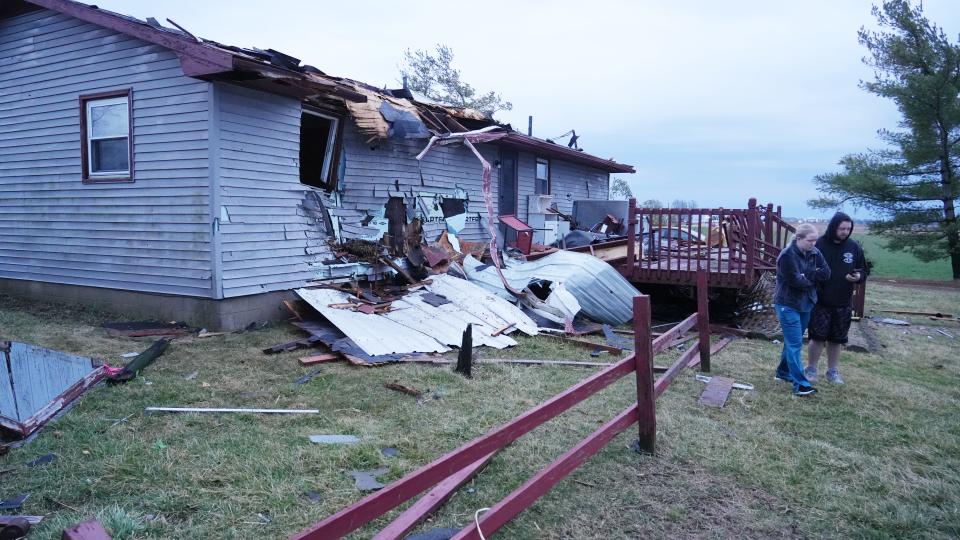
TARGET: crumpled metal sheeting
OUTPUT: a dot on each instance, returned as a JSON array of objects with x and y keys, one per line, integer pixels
[
  {"x": 374, "y": 334},
  {"x": 604, "y": 295},
  {"x": 445, "y": 323},
  {"x": 479, "y": 302}
]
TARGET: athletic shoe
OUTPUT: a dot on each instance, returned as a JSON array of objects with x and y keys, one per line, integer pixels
[
  {"x": 811, "y": 374},
  {"x": 833, "y": 375},
  {"x": 805, "y": 391}
]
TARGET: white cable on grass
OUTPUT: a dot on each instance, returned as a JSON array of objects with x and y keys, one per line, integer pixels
[{"x": 476, "y": 519}]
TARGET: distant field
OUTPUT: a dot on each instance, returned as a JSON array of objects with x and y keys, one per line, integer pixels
[{"x": 897, "y": 264}]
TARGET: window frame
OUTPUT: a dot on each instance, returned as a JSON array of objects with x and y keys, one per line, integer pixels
[
  {"x": 537, "y": 179},
  {"x": 332, "y": 155},
  {"x": 87, "y": 175}
]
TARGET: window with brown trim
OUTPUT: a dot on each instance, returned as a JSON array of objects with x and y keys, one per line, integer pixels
[
  {"x": 106, "y": 135},
  {"x": 542, "y": 186}
]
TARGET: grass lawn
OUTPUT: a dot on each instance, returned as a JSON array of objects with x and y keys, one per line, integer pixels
[
  {"x": 878, "y": 457},
  {"x": 899, "y": 264}
]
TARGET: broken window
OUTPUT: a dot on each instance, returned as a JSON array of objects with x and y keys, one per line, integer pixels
[
  {"x": 542, "y": 186},
  {"x": 105, "y": 125},
  {"x": 318, "y": 138}
]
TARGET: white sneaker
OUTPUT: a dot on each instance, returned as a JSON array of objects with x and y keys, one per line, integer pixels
[{"x": 833, "y": 376}]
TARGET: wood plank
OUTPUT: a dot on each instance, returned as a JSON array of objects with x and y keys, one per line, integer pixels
[
  {"x": 319, "y": 359},
  {"x": 373, "y": 506},
  {"x": 420, "y": 510},
  {"x": 714, "y": 349},
  {"x": 542, "y": 482},
  {"x": 716, "y": 392},
  {"x": 664, "y": 381}
]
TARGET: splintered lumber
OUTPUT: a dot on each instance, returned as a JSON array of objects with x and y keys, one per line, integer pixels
[
  {"x": 402, "y": 388},
  {"x": 716, "y": 392},
  {"x": 225, "y": 410},
  {"x": 520, "y": 361},
  {"x": 399, "y": 269},
  {"x": 504, "y": 329},
  {"x": 930, "y": 313},
  {"x": 586, "y": 344},
  {"x": 319, "y": 359}
]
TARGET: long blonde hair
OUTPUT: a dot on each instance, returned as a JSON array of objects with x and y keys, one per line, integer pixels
[{"x": 803, "y": 230}]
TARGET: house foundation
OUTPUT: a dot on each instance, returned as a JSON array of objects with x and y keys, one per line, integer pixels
[{"x": 214, "y": 315}]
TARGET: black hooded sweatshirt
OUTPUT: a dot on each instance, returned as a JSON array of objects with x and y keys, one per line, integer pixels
[{"x": 843, "y": 259}]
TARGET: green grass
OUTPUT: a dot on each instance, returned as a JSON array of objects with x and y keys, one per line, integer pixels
[
  {"x": 877, "y": 458},
  {"x": 899, "y": 264}
]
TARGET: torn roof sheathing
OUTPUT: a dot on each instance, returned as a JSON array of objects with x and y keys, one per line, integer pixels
[
  {"x": 374, "y": 334},
  {"x": 446, "y": 323},
  {"x": 36, "y": 383},
  {"x": 490, "y": 308}
]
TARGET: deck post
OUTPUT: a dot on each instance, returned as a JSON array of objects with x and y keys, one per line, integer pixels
[
  {"x": 752, "y": 234},
  {"x": 643, "y": 356},
  {"x": 703, "y": 320},
  {"x": 632, "y": 237},
  {"x": 768, "y": 231}
]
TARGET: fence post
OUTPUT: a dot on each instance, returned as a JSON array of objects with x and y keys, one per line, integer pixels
[
  {"x": 643, "y": 355},
  {"x": 703, "y": 320},
  {"x": 631, "y": 235}
]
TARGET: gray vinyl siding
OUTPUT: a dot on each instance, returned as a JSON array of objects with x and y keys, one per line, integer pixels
[
  {"x": 568, "y": 182},
  {"x": 269, "y": 243},
  {"x": 152, "y": 235},
  {"x": 374, "y": 173}
]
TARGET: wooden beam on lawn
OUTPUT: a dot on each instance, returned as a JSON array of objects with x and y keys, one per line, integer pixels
[
  {"x": 586, "y": 344},
  {"x": 420, "y": 510},
  {"x": 375, "y": 505},
  {"x": 542, "y": 482}
]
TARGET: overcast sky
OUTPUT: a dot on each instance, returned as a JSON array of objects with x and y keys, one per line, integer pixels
[{"x": 710, "y": 101}]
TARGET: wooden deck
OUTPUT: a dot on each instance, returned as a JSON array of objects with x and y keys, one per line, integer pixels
[{"x": 734, "y": 246}]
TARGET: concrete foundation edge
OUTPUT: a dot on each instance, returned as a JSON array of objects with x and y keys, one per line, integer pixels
[{"x": 214, "y": 315}]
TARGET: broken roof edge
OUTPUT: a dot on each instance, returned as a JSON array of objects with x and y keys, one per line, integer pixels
[{"x": 204, "y": 58}]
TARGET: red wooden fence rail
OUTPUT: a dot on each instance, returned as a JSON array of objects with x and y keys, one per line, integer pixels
[{"x": 453, "y": 464}]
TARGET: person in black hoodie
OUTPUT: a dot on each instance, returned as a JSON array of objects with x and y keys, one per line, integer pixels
[
  {"x": 830, "y": 319},
  {"x": 800, "y": 268}
]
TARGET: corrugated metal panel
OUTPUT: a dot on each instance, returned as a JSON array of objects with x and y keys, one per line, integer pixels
[
  {"x": 604, "y": 295},
  {"x": 56, "y": 229},
  {"x": 374, "y": 334},
  {"x": 38, "y": 376},
  {"x": 445, "y": 323},
  {"x": 488, "y": 307}
]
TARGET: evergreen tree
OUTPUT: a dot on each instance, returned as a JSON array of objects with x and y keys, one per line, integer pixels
[{"x": 912, "y": 184}]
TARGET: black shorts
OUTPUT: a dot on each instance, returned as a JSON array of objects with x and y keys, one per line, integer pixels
[{"x": 828, "y": 323}]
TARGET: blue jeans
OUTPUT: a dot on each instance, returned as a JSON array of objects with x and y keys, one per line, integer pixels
[{"x": 794, "y": 324}]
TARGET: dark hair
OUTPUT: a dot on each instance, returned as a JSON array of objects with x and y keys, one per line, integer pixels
[{"x": 835, "y": 222}]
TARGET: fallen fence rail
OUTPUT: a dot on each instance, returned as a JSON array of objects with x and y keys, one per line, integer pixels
[{"x": 463, "y": 461}]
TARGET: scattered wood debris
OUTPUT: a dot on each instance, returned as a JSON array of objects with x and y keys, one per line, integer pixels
[
  {"x": 229, "y": 410},
  {"x": 398, "y": 387}
]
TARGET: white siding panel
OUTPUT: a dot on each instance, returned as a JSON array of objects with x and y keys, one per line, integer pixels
[{"x": 152, "y": 235}]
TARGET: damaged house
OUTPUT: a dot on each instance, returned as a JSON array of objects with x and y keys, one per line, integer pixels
[{"x": 167, "y": 176}]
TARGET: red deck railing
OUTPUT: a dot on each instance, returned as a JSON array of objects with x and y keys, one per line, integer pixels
[
  {"x": 453, "y": 468},
  {"x": 732, "y": 245}
]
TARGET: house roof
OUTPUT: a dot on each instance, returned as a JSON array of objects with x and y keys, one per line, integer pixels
[{"x": 276, "y": 72}]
